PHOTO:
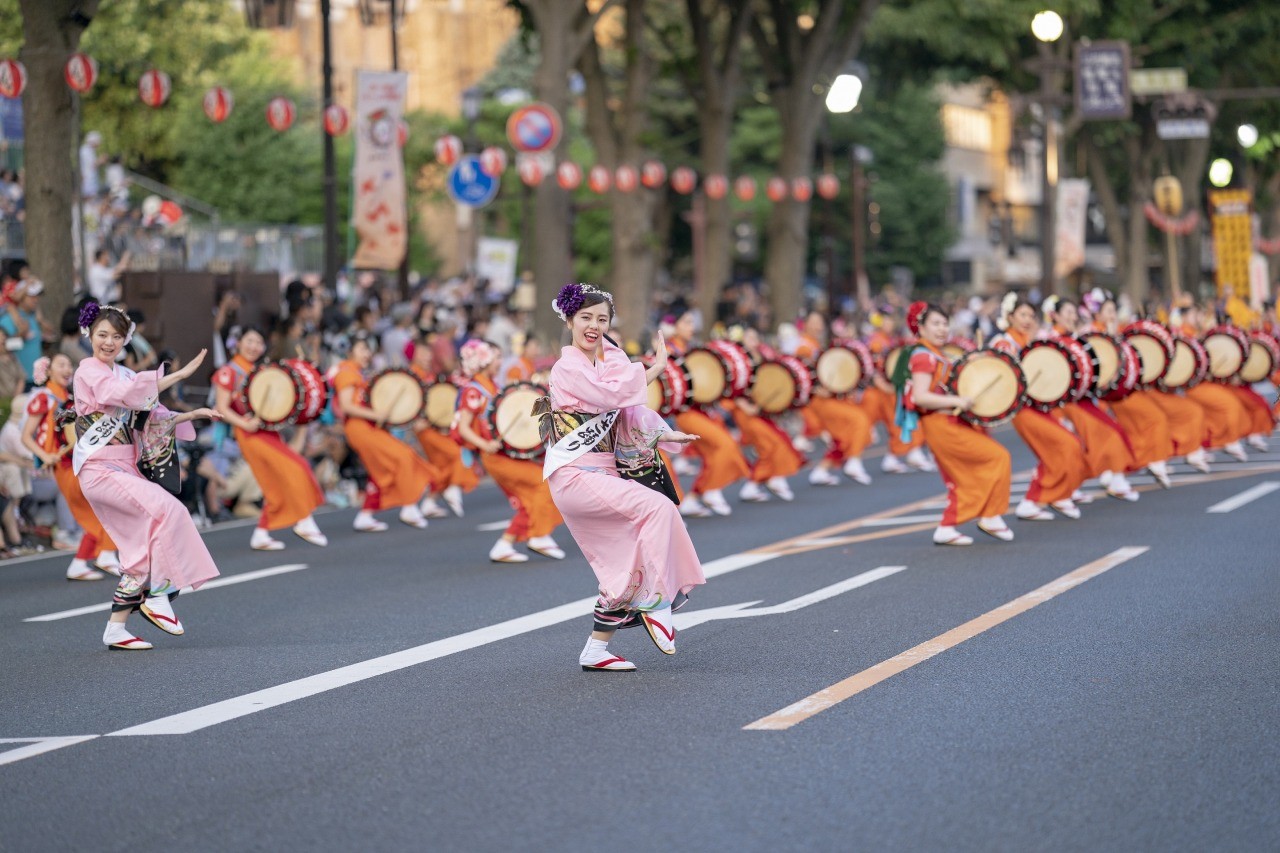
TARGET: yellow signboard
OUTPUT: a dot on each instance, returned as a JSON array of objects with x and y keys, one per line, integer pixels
[{"x": 1230, "y": 211}]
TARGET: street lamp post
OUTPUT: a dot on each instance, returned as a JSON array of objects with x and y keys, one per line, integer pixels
[
  {"x": 842, "y": 97},
  {"x": 1048, "y": 27}
]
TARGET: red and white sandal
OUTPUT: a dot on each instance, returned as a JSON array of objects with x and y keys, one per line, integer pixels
[
  {"x": 117, "y": 636},
  {"x": 661, "y": 631},
  {"x": 606, "y": 662}
]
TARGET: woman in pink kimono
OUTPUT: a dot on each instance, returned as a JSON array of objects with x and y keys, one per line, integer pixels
[
  {"x": 602, "y": 438},
  {"x": 119, "y": 423}
]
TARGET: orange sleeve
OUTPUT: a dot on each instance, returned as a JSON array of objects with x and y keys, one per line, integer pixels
[{"x": 346, "y": 377}]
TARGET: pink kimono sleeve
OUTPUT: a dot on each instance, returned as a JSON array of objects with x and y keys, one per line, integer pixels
[
  {"x": 613, "y": 382},
  {"x": 97, "y": 387}
]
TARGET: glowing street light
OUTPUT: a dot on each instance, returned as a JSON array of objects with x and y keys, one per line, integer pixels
[
  {"x": 1047, "y": 26},
  {"x": 844, "y": 93},
  {"x": 1247, "y": 135},
  {"x": 1220, "y": 172}
]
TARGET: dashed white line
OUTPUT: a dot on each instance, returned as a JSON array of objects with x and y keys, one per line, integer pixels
[{"x": 1245, "y": 497}]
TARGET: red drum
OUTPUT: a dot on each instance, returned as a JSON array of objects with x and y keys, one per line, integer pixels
[
  {"x": 669, "y": 392},
  {"x": 397, "y": 395},
  {"x": 781, "y": 384},
  {"x": 512, "y": 422},
  {"x": 1263, "y": 358},
  {"x": 1086, "y": 368},
  {"x": 1053, "y": 371},
  {"x": 1154, "y": 344},
  {"x": 719, "y": 370},
  {"x": 1130, "y": 373},
  {"x": 284, "y": 393},
  {"x": 1188, "y": 366},
  {"x": 440, "y": 401},
  {"x": 1228, "y": 347},
  {"x": 315, "y": 391},
  {"x": 993, "y": 380},
  {"x": 1108, "y": 352},
  {"x": 844, "y": 368},
  {"x": 804, "y": 379}
]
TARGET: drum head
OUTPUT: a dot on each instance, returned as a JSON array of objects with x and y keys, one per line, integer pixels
[
  {"x": 774, "y": 388},
  {"x": 1048, "y": 371},
  {"x": 513, "y": 422},
  {"x": 441, "y": 400},
  {"x": 1259, "y": 365},
  {"x": 891, "y": 362},
  {"x": 1226, "y": 356},
  {"x": 839, "y": 370},
  {"x": 1154, "y": 358},
  {"x": 397, "y": 395},
  {"x": 272, "y": 394},
  {"x": 1108, "y": 361},
  {"x": 953, "y": 351},
  {"x": 993, "y": 381},
  {"x": 708, "y": 373},
  {"x": 1182, "y": 369},
  {"x": 656, "y": 393}
]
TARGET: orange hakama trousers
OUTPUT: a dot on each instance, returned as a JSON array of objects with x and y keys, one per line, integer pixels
[
  {"x": 976, "y": 470},
  {"x": 1106, "y": 446},
  {"x": 775, "y": 455},
  {"x": 530, "y": 496},
  {"x": 1256, "y": 410},
  {"x": 1147, "y": 427},
  {"x": 399, "y": 476},
  {"x": 446, "y": 455},
  {"x": 290, "y": 492},
  {"x": 1062, "y": 465},
  {"x": 1225, "y": 419},
  {"x": 722, "y": 461},
  {"x": 1186, "y": 422},
  {"x": 95, "y": 538},
  {"x": 879, "y": 406},
  {"x": 846, "y": 423}
]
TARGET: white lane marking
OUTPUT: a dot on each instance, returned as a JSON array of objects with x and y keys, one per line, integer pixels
[
  {"x": 227, "y": 580},
  {"x": 493, "y": 525},
  {"x": 900, "y": 519},
  {"x": 260, "y": 700},
  {"x": 38, "y": 746},
  {"x": 685, "y": 621},
  {"x": 1247, "y": 496}
]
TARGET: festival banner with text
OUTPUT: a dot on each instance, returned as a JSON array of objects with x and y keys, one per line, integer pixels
[{"x": 379, "y": 214}]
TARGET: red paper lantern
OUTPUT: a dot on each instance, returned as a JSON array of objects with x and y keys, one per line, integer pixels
[
  {"x": 13, "y": 78},
  {"x": 653, "y": 174},
  {"x": 599, "y": 179},
  {"x": 776, "y": 189},
  {"x": 402, "y": 132},
  {"x": 683, "y": 180},
  {"x": 745, "y": 188},
  {"x": 716, "y": 186},
  {"x": 828, "y": 186},
  {"x": 280, "y": 114},
  {"x": 336, "y": 120},
  {"x": 217, "y": 104},
  {"x": 493, "y": 161},
  {"x": 530, "y": 170},
  {"x": 626, "y": 179},
  {"x": 81, "y": 72},
  {"x": 569, "y": 176},
  {"x": 154, "y": 88},
  {"x": 448, "y": 149},
  {"x": 801, "y": 189}
]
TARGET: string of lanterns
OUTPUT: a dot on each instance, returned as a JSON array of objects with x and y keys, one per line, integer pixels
[{"x": 1181, "y": 226}]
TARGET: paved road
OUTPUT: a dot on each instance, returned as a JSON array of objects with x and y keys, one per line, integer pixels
[{"x": 841, "y": 684}]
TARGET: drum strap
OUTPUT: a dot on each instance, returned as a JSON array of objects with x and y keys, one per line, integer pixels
[{"x": 585, "y": 438}]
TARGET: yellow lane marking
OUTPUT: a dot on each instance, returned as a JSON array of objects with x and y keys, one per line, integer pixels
[{"x": 800, "y": 711}]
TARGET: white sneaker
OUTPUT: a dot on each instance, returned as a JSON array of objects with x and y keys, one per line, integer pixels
[
  {"x": 891, "y": 464},
  {"x": 691, "y": 507},
  {"x": 823, "y": 477},
  {"x": 1199, "y": 460},
  {"x": 546, "y": 546},
  {"x": 1032, "y": 511},
  {"x": 79, "y": 570},
  {"x": 856, "y": 471},
  {"x": 715, "y": 501},
  {"x": 117, "y": 636},
  {"x": 261, "y": 540},
  {"x": 504, "y": 552},
  {"x": 1236, "y": 451},
  {"x": 917, "y": 459},
  {"x": 309, "y": 531},
  {"x": 453, "y": 499},
  {"x": 430, "y": 509},
  {"x": 780, "y": 487},
  {"x": 947, "y": 535},
  {"x": 1067, "y": 508},
  {"x": 661, "y": 631},
  {"x": 366, "y": 523},
  {"x": 995, "y": 526},
  {"x": 753, "y": 493},
  {"x": 1258, "y": 441},
  {"x": 159, "y": 612},
  {"x": 1160, "y": 470}
]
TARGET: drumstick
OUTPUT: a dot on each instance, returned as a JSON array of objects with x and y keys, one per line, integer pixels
[
  {"x": 1034, "y": 377},
  {"x": 994, "y": 380}
]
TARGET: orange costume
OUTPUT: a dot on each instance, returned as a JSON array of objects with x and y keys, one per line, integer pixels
[
  {"x": 976, "y": 470},
  {"x": 722, "y": 460},
  {"x": 1225, "y": 418},
  {"x": 290, "y": 492},
  {"x": 520, "y": 479},
  {"x": 1062, "y": 466},
  {"x": 775, "y": 455},
  {"x": 1187, "y": 428},
  {"x": 1106, "y": 446},
  {"x": 1257, "y": 413},
  {"x": 399, "y": 476},
  {"x": 846, "y": 423},
  {"x": 879, "y": 407},
  {"x": 443, "y": 452},
  {"x": 43, "y": 405}
]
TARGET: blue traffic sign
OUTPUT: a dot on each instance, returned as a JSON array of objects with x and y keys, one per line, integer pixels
[{"x": 470, "y": 186}]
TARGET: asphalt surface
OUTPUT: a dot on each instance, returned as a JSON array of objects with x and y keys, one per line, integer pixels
[{"x": 1135, "y": 711}]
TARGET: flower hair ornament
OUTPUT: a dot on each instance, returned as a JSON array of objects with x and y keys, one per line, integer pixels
[
  {"x": 90, "y": 313},
  {"x": 1095, "y": 299},
  {"x": 570, "y": 298},
  {"x": 915, "y": 314},
  {"x": 476, "y": 355},
  {"x": 40, "y": 370},
  {"x": 1049, "y": 307},
  {"x": 1007, "y": 305}
]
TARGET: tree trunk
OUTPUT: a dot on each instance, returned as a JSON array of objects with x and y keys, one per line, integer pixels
[
  {"x": 717, "y": 249},
  {"x": 1106, "y": 191},
  {"x": 787, "y": 244},
  {"x": 1189, "y": 168},
  {"x": 50, "y": 36}
]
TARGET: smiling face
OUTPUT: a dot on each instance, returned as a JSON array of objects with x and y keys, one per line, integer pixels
[
  {"x": 252, "y": 346},
  {"x": 107, "y": 342},
  {"x": 1068, "y": 316},
  {"x": 589, "y": 325},
  {"x": 1024, "y": 319},
  {"x": 361, "y": 354},
  {"x": 61, "y": 370},
  {"x": 935, "y": 329},
  {"x": 1107, "y": 313}
]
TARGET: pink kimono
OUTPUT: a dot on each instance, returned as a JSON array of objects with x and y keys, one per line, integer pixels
[
  {"x": 159, "y": 546},
  {"x": 632, "y": 535}
]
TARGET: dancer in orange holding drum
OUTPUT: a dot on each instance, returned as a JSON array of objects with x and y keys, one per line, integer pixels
[
  {"x": 398, "y": 477},
  {"x": 977, "y": 471},
  {"x": 1061, "y": 467},
  {"x": 879, "y": 402},
  {"x": 776, "y": 457},
  {"x": 48, "y": 443},
  {"x": 536, "y": 516},
  {"x": 846, "y": 425},
  {"x": 442, "y": 452},
  {"x": 290, "y": 492}
]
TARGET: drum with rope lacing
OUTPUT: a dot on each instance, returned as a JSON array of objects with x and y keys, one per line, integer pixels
[
  {"x": 397, "y": 395},
  {"x": 993, "y": 380},
  {"x": 512, "y": 423}
]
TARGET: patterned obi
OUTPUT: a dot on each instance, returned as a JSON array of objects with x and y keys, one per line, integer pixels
[
  {"x": 563, "y": 423},
  {"x": 124, "y": 435}
]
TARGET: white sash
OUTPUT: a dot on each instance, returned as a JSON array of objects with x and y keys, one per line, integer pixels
[
  {"x": 578, "y": 442},
  {"x": 94, "y": 439}
]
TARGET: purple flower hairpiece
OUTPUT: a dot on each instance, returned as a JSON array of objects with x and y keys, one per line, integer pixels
[
  {"x": 570, "y": 298},
  {"x": 88, "y": 314}
]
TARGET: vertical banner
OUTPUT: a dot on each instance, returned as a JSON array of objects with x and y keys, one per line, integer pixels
[
  {"x": 379, "y": 214},
  {"x": 1072, "y": 208},
  {"x": 1229, "y": 211},
  {"x": 496, "y": 261}
]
